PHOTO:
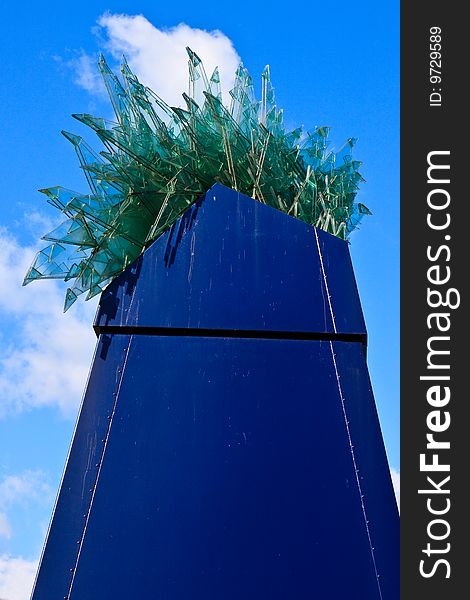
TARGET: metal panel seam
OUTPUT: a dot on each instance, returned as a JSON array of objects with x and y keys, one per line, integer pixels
[
  {"x": 325, "y": 280},
  {"x": 346, "y": 421},
  {"x": 105, "y": 443},
  {"x": 65, "y": 469},
  {"x": 356, "y": 470}
]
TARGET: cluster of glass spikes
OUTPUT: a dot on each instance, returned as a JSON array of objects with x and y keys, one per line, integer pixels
[{"x": 158, "y": 160}]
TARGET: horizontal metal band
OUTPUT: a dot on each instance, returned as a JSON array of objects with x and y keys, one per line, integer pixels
[{"x": 230, "y": 333}]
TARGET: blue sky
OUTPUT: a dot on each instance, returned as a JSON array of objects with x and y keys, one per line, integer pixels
[{"x": 333, "y": 65}]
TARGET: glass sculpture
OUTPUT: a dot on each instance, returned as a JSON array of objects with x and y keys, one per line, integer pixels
[{"x": 158, "y": 160}]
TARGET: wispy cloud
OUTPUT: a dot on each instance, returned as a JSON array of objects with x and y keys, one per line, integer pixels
[
  {"x": 5, "y": 526},
  {"x": 87, "y": 75},
  {"x": 26, "y": 487},
  {"x": 19, "y": 491},
  {"x": 16, "y": 577},
  {"x": 44, "y": 354},
  {"x": 158, "y": 56}
]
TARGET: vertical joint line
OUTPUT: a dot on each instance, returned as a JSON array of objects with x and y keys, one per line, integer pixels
[
  {"x": 328, "y": 295},
  {"x": 87, "y": 519},
  {"x": 346, "y": 422},
  {"x": 356, "y": 471}
]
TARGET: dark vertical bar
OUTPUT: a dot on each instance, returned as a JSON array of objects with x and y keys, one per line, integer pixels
[{"x": 434, "y": 251}]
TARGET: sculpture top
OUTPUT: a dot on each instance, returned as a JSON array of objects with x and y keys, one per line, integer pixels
[{"x": 158, "y": 160}]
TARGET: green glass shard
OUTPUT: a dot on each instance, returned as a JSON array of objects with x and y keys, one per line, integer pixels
[{"x": 158, "y": 160}]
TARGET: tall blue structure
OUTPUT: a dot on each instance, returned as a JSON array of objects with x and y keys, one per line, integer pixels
[{"x": 228, "y": 445}]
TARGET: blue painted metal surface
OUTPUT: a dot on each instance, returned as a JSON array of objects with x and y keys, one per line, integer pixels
[
  {"x": 73, "y": 502},
  {"x": 228, "y": 444},
  {"x": 369, "y": 456},
  {"x": 234, "y": 263}
]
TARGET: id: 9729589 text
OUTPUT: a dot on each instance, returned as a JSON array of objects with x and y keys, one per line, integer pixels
[{"x": 435, "y": 66}]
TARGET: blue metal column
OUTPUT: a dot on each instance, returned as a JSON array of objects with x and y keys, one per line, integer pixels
[{"x": 228, "y": 444}]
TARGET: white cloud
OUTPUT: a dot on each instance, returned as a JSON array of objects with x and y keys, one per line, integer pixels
[
  {"x": 16, "y": 577},
  {"x": 5, "y": 527},
  {"x": 20, "y": 491},
  {"x": 158, "y": 56},
  {"x": 44, "y": 354},
  {"x": 396, "y": 484},
  {"x": 88, "y": 76},
  {"x": 85, "y": 70},
  {"x": 26, "y": 487}
]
